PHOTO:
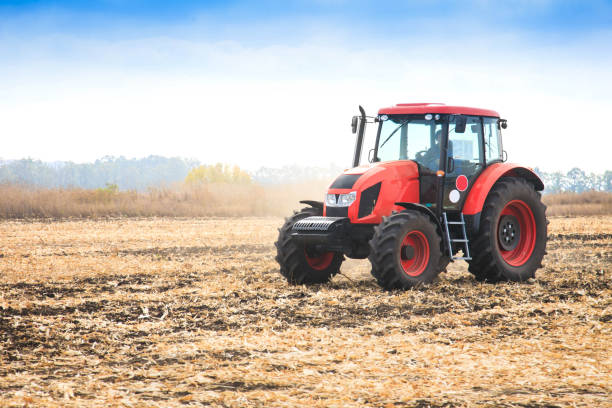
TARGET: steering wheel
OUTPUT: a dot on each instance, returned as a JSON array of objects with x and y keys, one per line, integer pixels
[{"x": 420, "y": 155}]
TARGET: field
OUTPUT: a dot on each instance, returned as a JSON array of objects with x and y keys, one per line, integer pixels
[{"x": 193, "y": 312}]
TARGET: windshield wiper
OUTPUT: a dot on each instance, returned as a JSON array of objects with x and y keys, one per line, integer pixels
[{"x": 394, "y": 130}]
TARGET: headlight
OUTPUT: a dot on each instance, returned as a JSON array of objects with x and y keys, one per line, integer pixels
[
  {"x": 347, "y": 199},
  {"x": 344, "y": 200}
]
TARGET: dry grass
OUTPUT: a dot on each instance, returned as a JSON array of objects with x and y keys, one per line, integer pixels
[
  {"x": 574, "y": 204},
  {"x": 18, "y": 202},
  {"x": 193, "y": 312}
]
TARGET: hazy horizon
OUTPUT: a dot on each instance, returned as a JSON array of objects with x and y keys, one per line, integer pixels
[
  {"x": 329, "y": 165},
  {"x": 260, "y": 84}
]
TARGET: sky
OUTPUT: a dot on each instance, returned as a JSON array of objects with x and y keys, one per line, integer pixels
[{"x": 263, "y": 83}]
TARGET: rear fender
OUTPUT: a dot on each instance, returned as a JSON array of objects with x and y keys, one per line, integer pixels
[{"x": 485, "y": 181}]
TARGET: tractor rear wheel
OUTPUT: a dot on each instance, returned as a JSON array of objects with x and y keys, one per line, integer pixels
[
  {"x": 304, "y": 264},
  {"x": 405, "y": 251},
  {"x": 511, "y": 241}
]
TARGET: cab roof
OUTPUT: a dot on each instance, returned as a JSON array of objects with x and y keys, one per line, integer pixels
[{"x": 422, "y": 108}]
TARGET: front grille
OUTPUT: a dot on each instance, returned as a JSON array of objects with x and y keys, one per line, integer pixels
[
  {"x": 316, "y": 223},
  {"x": 368, "y": 199},
  {"x": 336, "y": 211}
]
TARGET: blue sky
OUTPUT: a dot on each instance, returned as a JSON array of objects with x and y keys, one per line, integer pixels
[
  {"x": 220, "y": 80},
  {"x": 559, "y": 17},
  {"x": 257, "y": 22}
]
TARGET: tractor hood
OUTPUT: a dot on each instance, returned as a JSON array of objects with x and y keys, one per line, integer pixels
[
  {"x": 361, "y": 177},
  {"x": 378, "y": 186}
]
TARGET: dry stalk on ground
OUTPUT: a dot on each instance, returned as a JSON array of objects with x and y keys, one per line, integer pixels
[{"x": 193, "y": 312}]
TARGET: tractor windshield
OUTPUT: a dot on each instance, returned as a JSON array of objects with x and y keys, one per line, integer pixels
[{"x": 409, "y": 137}]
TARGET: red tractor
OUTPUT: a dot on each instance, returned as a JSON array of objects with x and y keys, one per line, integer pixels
[{"x": 437, "y": 183}]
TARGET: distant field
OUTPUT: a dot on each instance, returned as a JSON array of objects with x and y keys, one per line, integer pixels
[
  {"x": 211, "y": 200},
  {"x": 574, "y": 204},
  {"x": 193, "y": 312},
  {"x": 223, "y": 200}
]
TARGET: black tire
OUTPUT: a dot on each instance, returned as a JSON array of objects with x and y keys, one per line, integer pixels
[
  {"x": 294, "y": 258},
  {"x": 498, "y": 256},
  {"x": 392, "y": 267}
]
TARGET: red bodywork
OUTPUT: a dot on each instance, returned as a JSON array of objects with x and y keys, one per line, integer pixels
[
  {"x": 478, "y": 194},
  {"x": 422, "y": 108},
  {"x": 400, "y": 182}
]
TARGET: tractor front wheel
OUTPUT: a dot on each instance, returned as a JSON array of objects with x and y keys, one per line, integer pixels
[
  {"x": 405, "y": 251},
  {"x": 512, "y": 238},
  {"x": 304, "y": 264}
]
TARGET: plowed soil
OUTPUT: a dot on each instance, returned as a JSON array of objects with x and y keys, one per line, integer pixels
[{"x": 193, "y": 312}]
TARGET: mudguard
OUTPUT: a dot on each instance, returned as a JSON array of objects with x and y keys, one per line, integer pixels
[
  {"x": 314, "y": 204},
  {"x": 485, "y": 181},
  {"x": 425, "y": 210}
]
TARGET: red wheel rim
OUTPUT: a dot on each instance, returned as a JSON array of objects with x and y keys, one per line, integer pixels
[
  {"x": 526, "y": 221},
  {"x": 420, "y": 256},
  {"x": 319, "y": 262}
]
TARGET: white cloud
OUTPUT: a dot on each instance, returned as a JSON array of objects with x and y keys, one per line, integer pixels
[{"x": 279, "y": 104}]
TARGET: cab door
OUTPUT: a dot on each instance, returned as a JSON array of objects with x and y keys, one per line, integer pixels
[{"x": 465, "y": 160}]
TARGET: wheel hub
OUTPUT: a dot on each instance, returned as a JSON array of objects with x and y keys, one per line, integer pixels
[
  {"x": 316, "y": 258},
  {"x": 407, "y": 252},
  {"x": 509, "y": 232},
  {"x": 414, "y": 253}
]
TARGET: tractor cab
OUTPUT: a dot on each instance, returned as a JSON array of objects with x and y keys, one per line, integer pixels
[
  {"x": 460, "y": 145},
  {"x": 436, "y": 183}
]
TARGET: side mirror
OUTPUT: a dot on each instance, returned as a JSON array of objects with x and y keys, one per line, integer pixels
[
  {"x": 503, "y": 123},
  {"x": 460, "y": 123},
  {"x": 354, "y": 123}
]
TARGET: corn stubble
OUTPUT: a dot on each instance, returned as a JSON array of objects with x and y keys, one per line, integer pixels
[{"x": 193, "y": 312}]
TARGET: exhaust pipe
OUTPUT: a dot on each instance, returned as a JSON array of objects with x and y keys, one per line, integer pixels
[{"x": 359, "y": 141}]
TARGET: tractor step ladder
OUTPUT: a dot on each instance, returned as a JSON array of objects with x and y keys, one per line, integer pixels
[{"x": 464, "y": 240}]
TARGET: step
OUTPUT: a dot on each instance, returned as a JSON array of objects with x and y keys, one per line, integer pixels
[{"x": 459, "y": 240}]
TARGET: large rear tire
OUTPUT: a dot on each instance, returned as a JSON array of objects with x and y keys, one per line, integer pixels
[
  {"x": 301, "y": 264},
  {"x": 511, "y": 241},
  {"x": 405, "y": 251}
]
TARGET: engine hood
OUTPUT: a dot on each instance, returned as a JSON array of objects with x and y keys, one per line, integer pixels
[
  {"x": 379, "y": 186},
  {"x": 362, "y": 177}
]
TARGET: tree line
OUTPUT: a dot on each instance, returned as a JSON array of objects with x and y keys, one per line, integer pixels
[
  {"x": 126, "y": 174},
  {"x": 154, "y": 171},
  {"x": 576, "y": 180}
]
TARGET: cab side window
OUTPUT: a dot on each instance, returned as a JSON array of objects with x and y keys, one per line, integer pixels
[
  {"x": 492, "y": 138},
  {"x": 464, "y": 147}
]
